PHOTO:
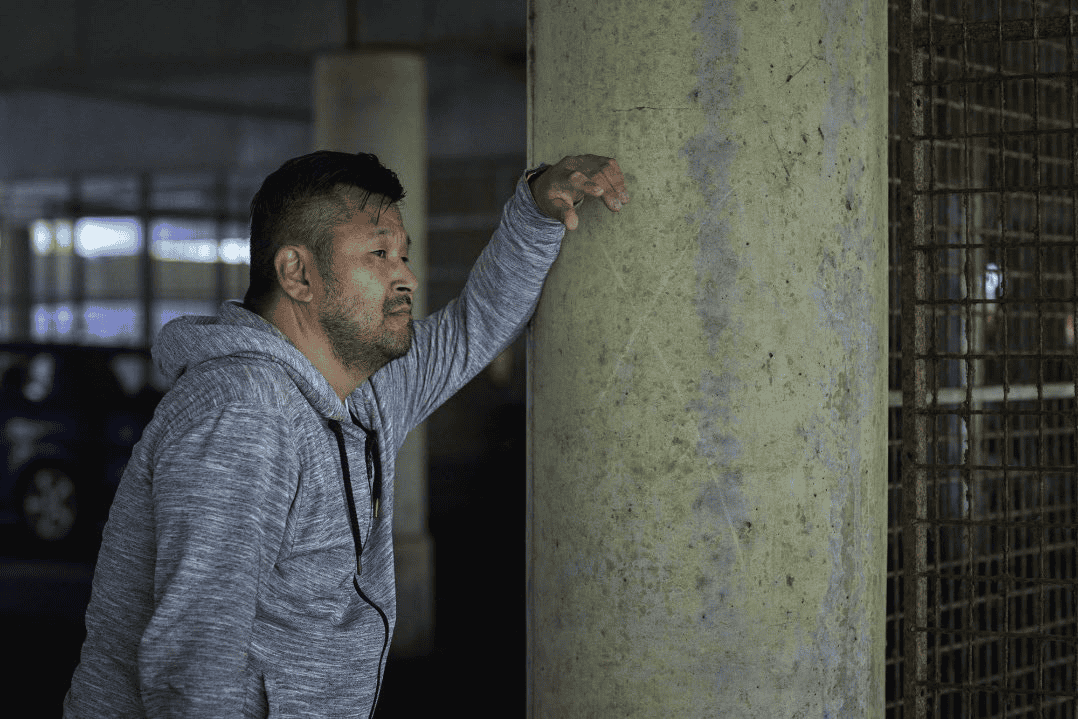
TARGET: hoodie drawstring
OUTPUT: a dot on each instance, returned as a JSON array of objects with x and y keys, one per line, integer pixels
[
  {"x": 374, "y": 469},
  {"x": 374, "y": 466},
  {"x": 336, "y": 427}
]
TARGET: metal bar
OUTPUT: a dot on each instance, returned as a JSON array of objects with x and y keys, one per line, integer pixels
[
  {"x": 1073, "y": 117},
  {"x": 1016, "y": 354},
  {"x": 1033, "y": 190},
  {"x": 1039, "y": 271},
  {"x": 971, "y": 340},
  {"x": 914, "y": 442},
  {"x": 995, "y": 523},
  {"x": 1006, "y": 691},
  {"x": 1011, "y": 77},
  {"x": 993, "y": 393},
  {"x": 1003, "y": 30},
  {"x": 1001, "y": 95}
]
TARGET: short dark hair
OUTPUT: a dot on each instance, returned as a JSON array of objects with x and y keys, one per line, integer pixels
[{"x": 302, "y": 201}]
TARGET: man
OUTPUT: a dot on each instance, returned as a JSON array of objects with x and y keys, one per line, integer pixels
[{"x": 247, "y": 564}]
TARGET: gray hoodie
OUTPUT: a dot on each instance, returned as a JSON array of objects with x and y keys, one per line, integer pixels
[{"x": 227, "y": 582}]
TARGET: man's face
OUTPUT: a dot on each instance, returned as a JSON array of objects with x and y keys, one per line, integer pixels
[{"x": 366, "y": 308}]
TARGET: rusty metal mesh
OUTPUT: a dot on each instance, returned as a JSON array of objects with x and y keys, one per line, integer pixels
[{"x": 982, "y": 600}]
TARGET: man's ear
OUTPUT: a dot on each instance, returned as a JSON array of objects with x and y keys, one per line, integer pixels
[{"x": 295, "y": 269}]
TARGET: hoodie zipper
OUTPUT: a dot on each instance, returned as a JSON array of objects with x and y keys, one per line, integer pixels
[{"x": 376, "y": 493}]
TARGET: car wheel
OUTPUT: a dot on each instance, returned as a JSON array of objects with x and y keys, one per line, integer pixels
[{"x": 49, "y": 503}]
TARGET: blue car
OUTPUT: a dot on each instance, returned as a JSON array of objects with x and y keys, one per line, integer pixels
[{"x": 69, "y": 418}]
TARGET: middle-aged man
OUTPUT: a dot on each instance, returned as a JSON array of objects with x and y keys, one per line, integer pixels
[{"x": 247, "y": 564}]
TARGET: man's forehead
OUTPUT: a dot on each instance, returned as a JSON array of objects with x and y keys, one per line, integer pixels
[
  {"x": 386, "y": 219},
  {"x": 383, "y": 230},
  {"x": 378, "y": 217}
]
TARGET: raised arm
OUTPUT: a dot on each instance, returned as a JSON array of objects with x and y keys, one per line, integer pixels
[{"x": 455, "y": 343}]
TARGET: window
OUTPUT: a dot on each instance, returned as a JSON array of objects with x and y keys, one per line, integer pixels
[{"x": 113, "y": 258}]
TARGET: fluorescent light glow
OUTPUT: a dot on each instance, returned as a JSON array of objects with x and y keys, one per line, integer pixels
[
  {"x": 109, "y": 322},
  {"x": 185, "y": 250},
  {"x": 41, "y": 235},
  {"x": 42, "y": 321},
  {"x": 52, "y": 320},
  {"x": 63, "y": 318},
  {"x": 62, "y": 230},
  {"x": 235, "y": 251},
  {"x": 993, "y": 278},
  {"x": 184, "y": 240},
  {"x": 108, "y": 236},
  {"x": 172, "y": 240}
]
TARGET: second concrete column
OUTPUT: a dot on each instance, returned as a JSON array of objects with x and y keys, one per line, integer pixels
[
  {"x": 708, "y": 369},
  {"x": 377, "y": 102}
]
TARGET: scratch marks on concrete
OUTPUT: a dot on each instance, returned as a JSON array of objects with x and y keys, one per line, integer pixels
[{"x": 644, "y": 316}]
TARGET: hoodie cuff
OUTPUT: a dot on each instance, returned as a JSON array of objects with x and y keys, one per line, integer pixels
[{"x": 526, "y": 199}]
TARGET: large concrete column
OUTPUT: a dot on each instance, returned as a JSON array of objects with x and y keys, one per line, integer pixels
[
  {"x": 708, "y": 404},
  {"x": 377, "y": 102}
]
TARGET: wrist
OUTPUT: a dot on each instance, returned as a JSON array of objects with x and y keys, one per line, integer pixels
[{"x": 531, "y": 175}]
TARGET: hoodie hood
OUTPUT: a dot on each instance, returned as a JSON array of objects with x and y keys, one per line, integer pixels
[{"x": 190, "y": 340}]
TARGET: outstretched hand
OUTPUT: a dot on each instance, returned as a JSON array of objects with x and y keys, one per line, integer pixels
[{"x": 559, "y": 188}]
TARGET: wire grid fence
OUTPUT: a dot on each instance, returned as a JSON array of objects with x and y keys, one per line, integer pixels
[{"x": 982, "y": 601}]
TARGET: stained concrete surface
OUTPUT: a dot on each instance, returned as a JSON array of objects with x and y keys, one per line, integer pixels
[{"x": 708, "y": 366}]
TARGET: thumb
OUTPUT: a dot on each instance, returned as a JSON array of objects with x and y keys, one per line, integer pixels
[{"x": 571, "y": 220}]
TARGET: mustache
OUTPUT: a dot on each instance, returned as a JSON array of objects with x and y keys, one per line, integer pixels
[{"x": 398, "y": 305}]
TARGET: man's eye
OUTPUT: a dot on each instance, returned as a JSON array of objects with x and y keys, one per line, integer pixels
[{"x": 380, "y": 253}]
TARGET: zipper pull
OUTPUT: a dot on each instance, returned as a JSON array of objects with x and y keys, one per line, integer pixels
[
  {"x": 376, "y": 503},
  {"x": 359, "y": 566}
]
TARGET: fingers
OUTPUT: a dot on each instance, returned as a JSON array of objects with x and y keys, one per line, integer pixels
[
  {"x": 577, "y": 177},
  {"x": 612, "y": 174},
  {"x": 583, "y": 182},
  {"x": 609, "y": 178},
  {"x": 605, "y": 181}
]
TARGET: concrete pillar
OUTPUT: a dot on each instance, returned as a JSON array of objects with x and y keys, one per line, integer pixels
[
  {"x": 377, "y": 102},
  {"x": 708, "y": 369}
]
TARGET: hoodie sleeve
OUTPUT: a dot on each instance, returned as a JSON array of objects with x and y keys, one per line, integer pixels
[
  {"x": 455, "y": 343},
  {"x": 222, "y": 484}
]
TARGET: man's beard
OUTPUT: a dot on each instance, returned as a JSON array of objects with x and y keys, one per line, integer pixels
[{"x": 361, "y": 350}]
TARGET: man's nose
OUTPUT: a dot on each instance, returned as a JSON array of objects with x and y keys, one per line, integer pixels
[{"x": 406, "y": 281}]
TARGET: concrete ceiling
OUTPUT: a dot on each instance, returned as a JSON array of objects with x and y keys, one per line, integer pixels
[
  {"x": 101, "y": 85},
  {"x": 235, "y": 56}
]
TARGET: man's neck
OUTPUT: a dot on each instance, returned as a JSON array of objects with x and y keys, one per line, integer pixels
[{"x": 298, "y": 323}]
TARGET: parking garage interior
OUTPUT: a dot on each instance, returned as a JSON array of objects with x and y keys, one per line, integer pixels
[{"x": 841, "y": 483}]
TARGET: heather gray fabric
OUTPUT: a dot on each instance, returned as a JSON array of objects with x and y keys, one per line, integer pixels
[{"x": 224, "y": 586}]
